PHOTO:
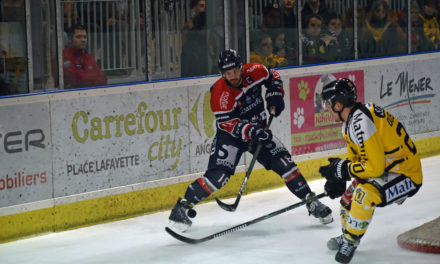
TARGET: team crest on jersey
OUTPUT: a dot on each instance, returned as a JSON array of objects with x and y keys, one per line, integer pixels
[{"x": 224, "y": 100}]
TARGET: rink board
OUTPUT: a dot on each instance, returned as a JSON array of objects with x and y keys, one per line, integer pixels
[{"x": 97, "y": 155}]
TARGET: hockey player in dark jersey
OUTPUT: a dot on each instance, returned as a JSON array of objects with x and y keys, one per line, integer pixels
[
  {"x": 237, "y": 102},
  {"x": 382, "y": 163}
]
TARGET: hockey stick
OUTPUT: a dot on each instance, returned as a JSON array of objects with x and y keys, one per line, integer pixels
[
  {"x": 233, "y": 207},
  {"x": 240, "y": 226}
]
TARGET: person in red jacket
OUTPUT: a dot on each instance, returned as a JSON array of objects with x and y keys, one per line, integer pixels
[
  {"x": 80, "y": 67},
  {"x": 238, "y": 103}
]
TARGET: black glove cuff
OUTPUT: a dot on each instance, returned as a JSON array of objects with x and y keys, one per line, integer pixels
[{"x": 342, "y": 170}]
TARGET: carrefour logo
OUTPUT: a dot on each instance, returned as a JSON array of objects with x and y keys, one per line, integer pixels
[{"x": 203, "y": 108}]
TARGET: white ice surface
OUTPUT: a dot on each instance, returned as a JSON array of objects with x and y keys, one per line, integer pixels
[{"x": 292, "y": 237}]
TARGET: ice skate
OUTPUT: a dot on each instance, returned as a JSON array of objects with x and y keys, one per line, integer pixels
[
  {"x": 319, "y": 210},
  {"x": 179, "y": 217},
  {"x": 335, "y": 242},
  {"x": 346, "y": 250}
]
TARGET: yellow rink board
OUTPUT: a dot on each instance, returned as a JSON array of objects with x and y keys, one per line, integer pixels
[{"x": 121, "y": 206}]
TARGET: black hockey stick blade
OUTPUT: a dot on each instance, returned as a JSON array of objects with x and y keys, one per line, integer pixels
[
  {"x": 228, "y": 207},
  {"x": 240, "y": 226}
]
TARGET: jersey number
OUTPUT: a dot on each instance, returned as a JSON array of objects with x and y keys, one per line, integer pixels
[{"x": 400, "y": 128}]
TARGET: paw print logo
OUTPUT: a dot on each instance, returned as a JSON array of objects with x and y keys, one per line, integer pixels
[
  {"x": 304, "y": 90},
  {"x": 298, "y": 117}
]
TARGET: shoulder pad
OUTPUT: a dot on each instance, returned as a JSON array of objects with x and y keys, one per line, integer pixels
[
  {"x": 256, "y": 70},
  {"x": 360, "y": 127}
]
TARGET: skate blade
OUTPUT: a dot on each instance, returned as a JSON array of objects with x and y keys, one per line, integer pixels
[
  {"x": 181, "y": 227},
  {"x": 326, "y": 220}
]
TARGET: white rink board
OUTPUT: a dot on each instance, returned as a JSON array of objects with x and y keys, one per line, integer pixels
[
  {"x": 409, "y": 90},
  {"x": 121, "y": 153},
  {"x": 202, "y": 126},
  {"x": 119, "y": 139},
  {"x": 25, "y": 153}
]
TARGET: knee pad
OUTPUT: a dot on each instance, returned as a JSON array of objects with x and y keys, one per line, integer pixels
[
  {"x": 283, "y": 164},
  {"x": 206, "y": 185},
  {"x": 357, "y": 219}
]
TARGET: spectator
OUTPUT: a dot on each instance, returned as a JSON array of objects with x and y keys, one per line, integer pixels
[
  {"x": 262, "y": 52},
  {"x": 378, "y": 37},
  {"x": 314, "y": 7},
  {"x": 314, "y": 48},
  {"x": 195, "y": 50},
  {"x": 430, "y": 23},
  {"x": 271, "y": 17},
  {"x": 339, "y": 43},
  {"x": 288, "y": 14},
  {"x": 418, "y": 41},
  {"x": 348, "y": 19},
  {"x": 399, "y": 20},
  {"x": 284, "y": 18},
  {"x": 280, "y": 48},
  {"x": 197, "y": 6},
  {"x": 80, "y": 67}
]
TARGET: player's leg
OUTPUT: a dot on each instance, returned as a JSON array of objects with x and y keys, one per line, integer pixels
[
  {"x": 274, "y": 156},
  {"x": 225, "y": 155},
  {"x": 196, "y": 192},
  {"x": 358, "y": 204},
  {"x": 355, "y": 218}
]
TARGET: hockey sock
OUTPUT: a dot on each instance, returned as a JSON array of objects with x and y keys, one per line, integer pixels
[
  {"x": 296, "y": 183},
  {"x": 199, "y": 190}
]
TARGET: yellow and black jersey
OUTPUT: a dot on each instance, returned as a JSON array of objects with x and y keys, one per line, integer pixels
[
  {"x": 431, "y": 28},
  {"x": 377, "y": 143}
]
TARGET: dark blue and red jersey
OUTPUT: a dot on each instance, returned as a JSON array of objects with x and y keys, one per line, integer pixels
[{"x": 237, "y": 109}]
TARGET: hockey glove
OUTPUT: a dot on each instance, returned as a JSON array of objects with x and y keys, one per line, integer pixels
[
  {"x": 275, "y": 100},
  {"x": 335, "y": 189},
  {"x": 336, "y": 171},
  {"x": 258, "y": 134}
]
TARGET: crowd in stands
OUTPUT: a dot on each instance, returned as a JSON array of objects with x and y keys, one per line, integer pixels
[
  {"x": 327, "y": 34},
  {"x": 113, "y": 44}
]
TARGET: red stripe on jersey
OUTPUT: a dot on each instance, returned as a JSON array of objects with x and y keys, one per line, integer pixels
[
  {"x": 245, "y": 132},
  {"x": 205, "y": 186}
]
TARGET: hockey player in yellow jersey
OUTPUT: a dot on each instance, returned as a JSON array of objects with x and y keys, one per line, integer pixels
[{"x": 382, "y": 163}]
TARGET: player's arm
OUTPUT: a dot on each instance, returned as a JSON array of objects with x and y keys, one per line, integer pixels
[
  {"x": 274, "y": 93},
  {"x": 223, "y": 105},
  {"x": 365, "y": 144},
  {"x": 371, "y": 162}
]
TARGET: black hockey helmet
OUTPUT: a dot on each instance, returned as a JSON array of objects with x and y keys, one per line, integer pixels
[
  {"x": 228, "y": 59},
  {"x": 340, "y": 90}
]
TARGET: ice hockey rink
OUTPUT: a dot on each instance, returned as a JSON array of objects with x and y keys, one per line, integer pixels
[{"x": 292, "y": 237}]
